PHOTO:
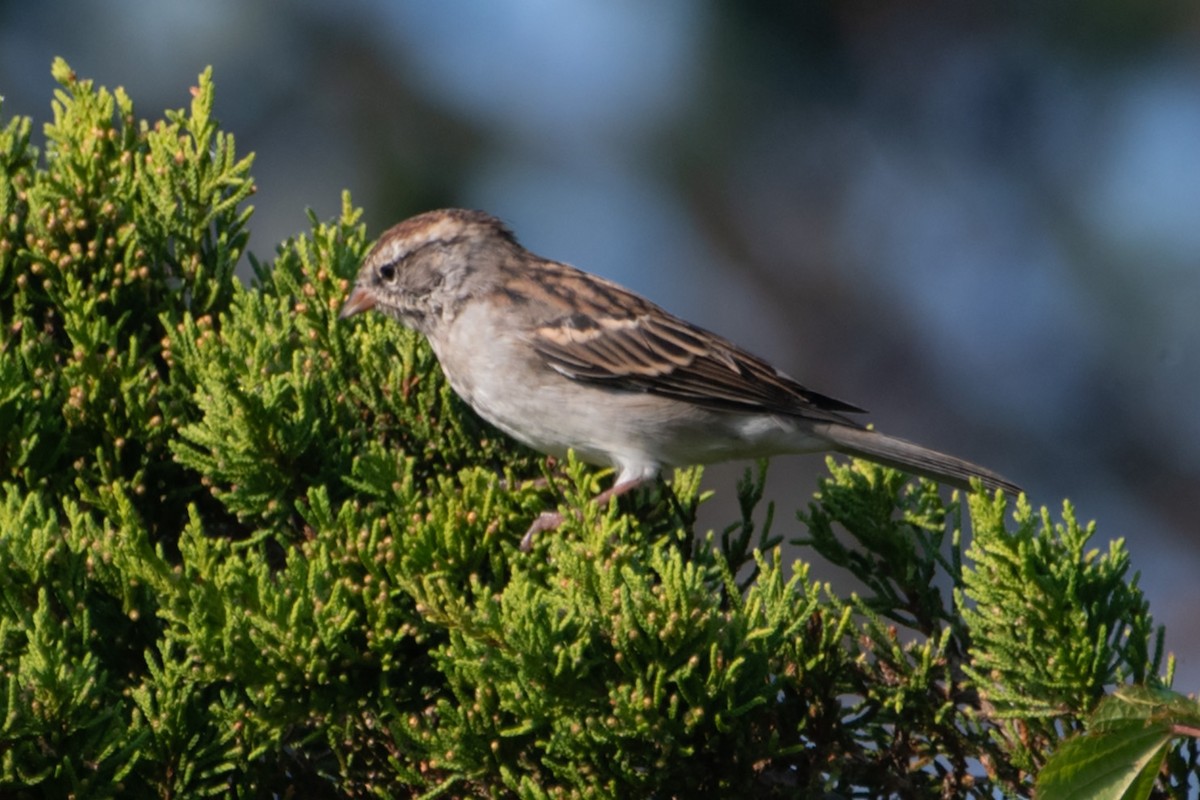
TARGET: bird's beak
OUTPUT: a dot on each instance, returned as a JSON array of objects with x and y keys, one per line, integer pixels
[{"x": 360, "y": 300}]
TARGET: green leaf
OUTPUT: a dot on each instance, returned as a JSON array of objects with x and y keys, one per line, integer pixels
[
  {"x": 1124, "y": 749},
  {"x": 1149, "y": 703},
  {"x": 1118, "y": 764}
]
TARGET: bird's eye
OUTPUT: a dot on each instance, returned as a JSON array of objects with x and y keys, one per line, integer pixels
[{"x": 388, "y": 272}]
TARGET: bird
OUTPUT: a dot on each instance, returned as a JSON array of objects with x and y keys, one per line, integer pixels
[{"x": 563, "y": 360}]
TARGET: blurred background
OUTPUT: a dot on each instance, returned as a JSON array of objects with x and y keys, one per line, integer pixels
[{"x": 980, "y": 221}]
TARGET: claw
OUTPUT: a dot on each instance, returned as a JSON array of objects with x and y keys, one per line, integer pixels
[
  {"x": 550, "y": 520},
  {"x": 546, "y": 521}
]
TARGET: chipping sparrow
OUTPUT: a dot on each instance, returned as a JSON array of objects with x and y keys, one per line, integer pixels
[{"x": 560, "y": 359}]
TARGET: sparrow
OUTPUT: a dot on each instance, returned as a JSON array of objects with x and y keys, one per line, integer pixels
[{"x": 561, "y": 360}]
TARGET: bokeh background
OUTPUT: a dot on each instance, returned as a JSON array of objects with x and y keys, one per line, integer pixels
[{"x": 979, "y": 220}]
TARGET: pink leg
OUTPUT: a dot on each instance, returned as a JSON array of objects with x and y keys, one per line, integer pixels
[{"x": 550, "y": 520}]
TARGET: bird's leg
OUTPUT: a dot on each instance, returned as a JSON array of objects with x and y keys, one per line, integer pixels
[
  {"x": 546, "y": 521},
  {"x": 617, "y": 490},
  {"x": 550, "y": 520}
]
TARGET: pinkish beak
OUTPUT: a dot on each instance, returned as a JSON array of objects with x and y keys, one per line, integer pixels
[{"x": 360, "y": 300}]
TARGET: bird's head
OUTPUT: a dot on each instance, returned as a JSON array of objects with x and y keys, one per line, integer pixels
[{"x": 421, "y": 270}]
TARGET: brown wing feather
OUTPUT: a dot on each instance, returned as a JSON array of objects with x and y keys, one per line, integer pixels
[{"x": 645, "y": 349}]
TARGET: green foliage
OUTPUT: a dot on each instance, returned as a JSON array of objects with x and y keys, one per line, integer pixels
[
  {"x": 1064, "y": 619},
  {"x": 123, "y": 230},
  {"x": 1039, "y": 627},
  {"x": 1125, "y": 748},
  {"x": 247, "y": 549}
]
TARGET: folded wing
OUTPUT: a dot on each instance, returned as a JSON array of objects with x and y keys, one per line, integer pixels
[{"x": 649, "y": 350}]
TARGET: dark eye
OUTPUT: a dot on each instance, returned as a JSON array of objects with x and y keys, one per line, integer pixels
[{"x": 388, "y": 272}]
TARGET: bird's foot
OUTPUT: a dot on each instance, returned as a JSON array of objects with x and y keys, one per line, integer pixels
[
  {"x": 546, "y": 521},
  {"x": 550, "y": 520}
]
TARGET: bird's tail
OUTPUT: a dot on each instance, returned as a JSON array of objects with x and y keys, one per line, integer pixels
[{"x": 909, "y": 457}]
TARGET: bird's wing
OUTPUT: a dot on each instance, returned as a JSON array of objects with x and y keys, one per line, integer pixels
[{"x": 637, "y": 346}]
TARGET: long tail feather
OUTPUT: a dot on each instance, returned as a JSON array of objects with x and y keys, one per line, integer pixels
[{"x": 903, "y": 455}]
